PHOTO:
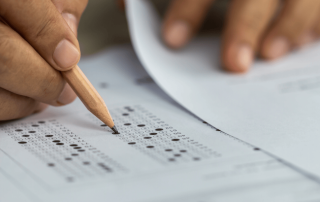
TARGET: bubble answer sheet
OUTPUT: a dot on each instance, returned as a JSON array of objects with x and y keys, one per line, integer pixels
[
  {"x": 163, "y": 152},
  {"x": 275, "y": 106}
]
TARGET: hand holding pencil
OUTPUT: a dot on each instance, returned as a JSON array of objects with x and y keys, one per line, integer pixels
[
  {"x": 39, "y": 52},
  {"x": 38, "y": 42}
]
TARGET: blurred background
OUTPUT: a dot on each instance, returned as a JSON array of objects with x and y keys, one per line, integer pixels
[{"x": 103, "y": 24}]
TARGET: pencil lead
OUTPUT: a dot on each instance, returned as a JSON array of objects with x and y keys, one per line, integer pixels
[{"x": 115, "y": 130}]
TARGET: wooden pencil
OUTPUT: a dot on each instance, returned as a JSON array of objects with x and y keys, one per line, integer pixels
[{"x": 89, "y": 96}]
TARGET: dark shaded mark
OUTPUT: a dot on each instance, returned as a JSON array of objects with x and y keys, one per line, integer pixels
[
  {"x": 159, "y": 129},
  {"x": 73, "y": 145},
  {"x": 177, "y": 155},
  {"x": 41, "y": 121},
  {"x": 115, "y": 130},
  {"x": 19, "y": 130},
  {"x": 171, "y": 159},
  {"x": 86, "y": 163},
  {"x": 127, "y": 107},
  {"x": 56, "y": 141},
  {"x": 76, "y": 147},
  {"x": 131, "y": 143},
  {"x": 105, "y": 167},
  {"x": 147, "y": 137},
  {"x": 125, "y": 114},
  {"x": 103, "y": 125},
  {"x": 35, "y": 125},
  {"x": 153, "y": 133},
  {"x": 116, "y": 133},
  {"x": 150, "y": 146},
  {"x": 141, "y": 125},
  {"x": 70, "y": 179},
  {"x": 144, "y": 80},
  {"x": 103, "y": 85},
  {"x": 81, "y": 150},
  {"x": 168, "y": 150},
  {"x": 60, "y": 143},
  {"x": 175, "y": 140},
  {"x": 48, "y": 135},
  {"x": 74, "y": 154},
  {"x": 127, "y": 124},
  {"x": 257, "y": 149},
  {"x": 25, "y": 135},
  {"x": 196, "y": 158},
  {"x": 51, "y": 164},
  {"x": 131, "y": 110},
  {"x": 204, "y": 122},
  {"x": 183, "y": 150},
  {"x": 32, "y": 131},
  {"x": 218, "y": 129},
  {"x": 22, "y": 142},
  {"x": 68, "y": 159}
]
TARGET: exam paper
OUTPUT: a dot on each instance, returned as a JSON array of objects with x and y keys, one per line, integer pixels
[
  {"x": 163, "y": 152},
  {"x": 275, "y": 106}
]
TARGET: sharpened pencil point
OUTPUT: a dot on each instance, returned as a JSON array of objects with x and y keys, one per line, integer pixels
[{"x": 115, "y": 130}]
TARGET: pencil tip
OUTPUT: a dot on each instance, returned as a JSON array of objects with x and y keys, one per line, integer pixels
[{"x": 115, "y": 130}]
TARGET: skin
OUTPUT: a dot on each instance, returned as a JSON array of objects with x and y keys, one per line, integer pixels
[
  {"x": 38, "y": 39},
  {"x": 268, "y": 28}
]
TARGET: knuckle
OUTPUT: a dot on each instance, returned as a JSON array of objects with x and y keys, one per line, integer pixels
[
  {"x": 81, "y": 7},
  {"x": 254, "y": 22},
  {"x": 75, "y": 7},
  {"x": 46, "y": 27},
  {"x": 7, "y": 52},
  {"x": 85, "y": 2}
]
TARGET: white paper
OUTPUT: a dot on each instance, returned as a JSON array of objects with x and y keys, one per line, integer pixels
[
  {"x": 275, "y": 106},
  {"x": 39, "y": 161}
]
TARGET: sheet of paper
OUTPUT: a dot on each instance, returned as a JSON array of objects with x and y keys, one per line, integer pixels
[
  {"x": 275, "y": 106},
  {"x": 163, "y": 153}
]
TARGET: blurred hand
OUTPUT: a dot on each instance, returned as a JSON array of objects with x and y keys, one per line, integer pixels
[
  {"x": 271, "y": 28},
  {"x": 37, "y": 40}
]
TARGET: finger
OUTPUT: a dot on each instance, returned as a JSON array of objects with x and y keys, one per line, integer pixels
[
  {"x": 246, "y": 22},
  {"x": 13, "y": 106},
  {"x": 42, "y": 26},
  {"x": 182, "y": 20},
  {"x": 23, "y": 71},
  {"x": 292, "y": 28},
  {"x": 317, "y": 27},
  {"x": 71, "y": 11}
]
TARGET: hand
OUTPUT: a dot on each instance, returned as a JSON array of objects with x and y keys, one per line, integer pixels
[
  {"x": 252, "y": 27},
  {"x": 37, "y": 41}
]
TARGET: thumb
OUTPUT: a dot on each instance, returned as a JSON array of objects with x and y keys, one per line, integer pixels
[
  {"x": 72, "y": 21},
  {"x": 71, "y": 11}
]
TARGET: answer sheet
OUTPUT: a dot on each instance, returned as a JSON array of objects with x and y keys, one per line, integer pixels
[
  {"x": 163, "y": 152},
  {"x": 275, "y": 106}
]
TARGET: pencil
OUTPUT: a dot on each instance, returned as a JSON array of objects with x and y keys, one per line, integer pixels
[{"x": 89, "y": 96}]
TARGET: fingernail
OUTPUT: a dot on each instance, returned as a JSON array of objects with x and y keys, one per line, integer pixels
[
  {"x": 67, "y": 95},
  {"x": 244, "y": 58},
  {"x": 278, "y": 47},
  {"x": 71, "y": 21},
  {"x": 178, "y": 34},
  {"x": 66, "y": 54}
]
